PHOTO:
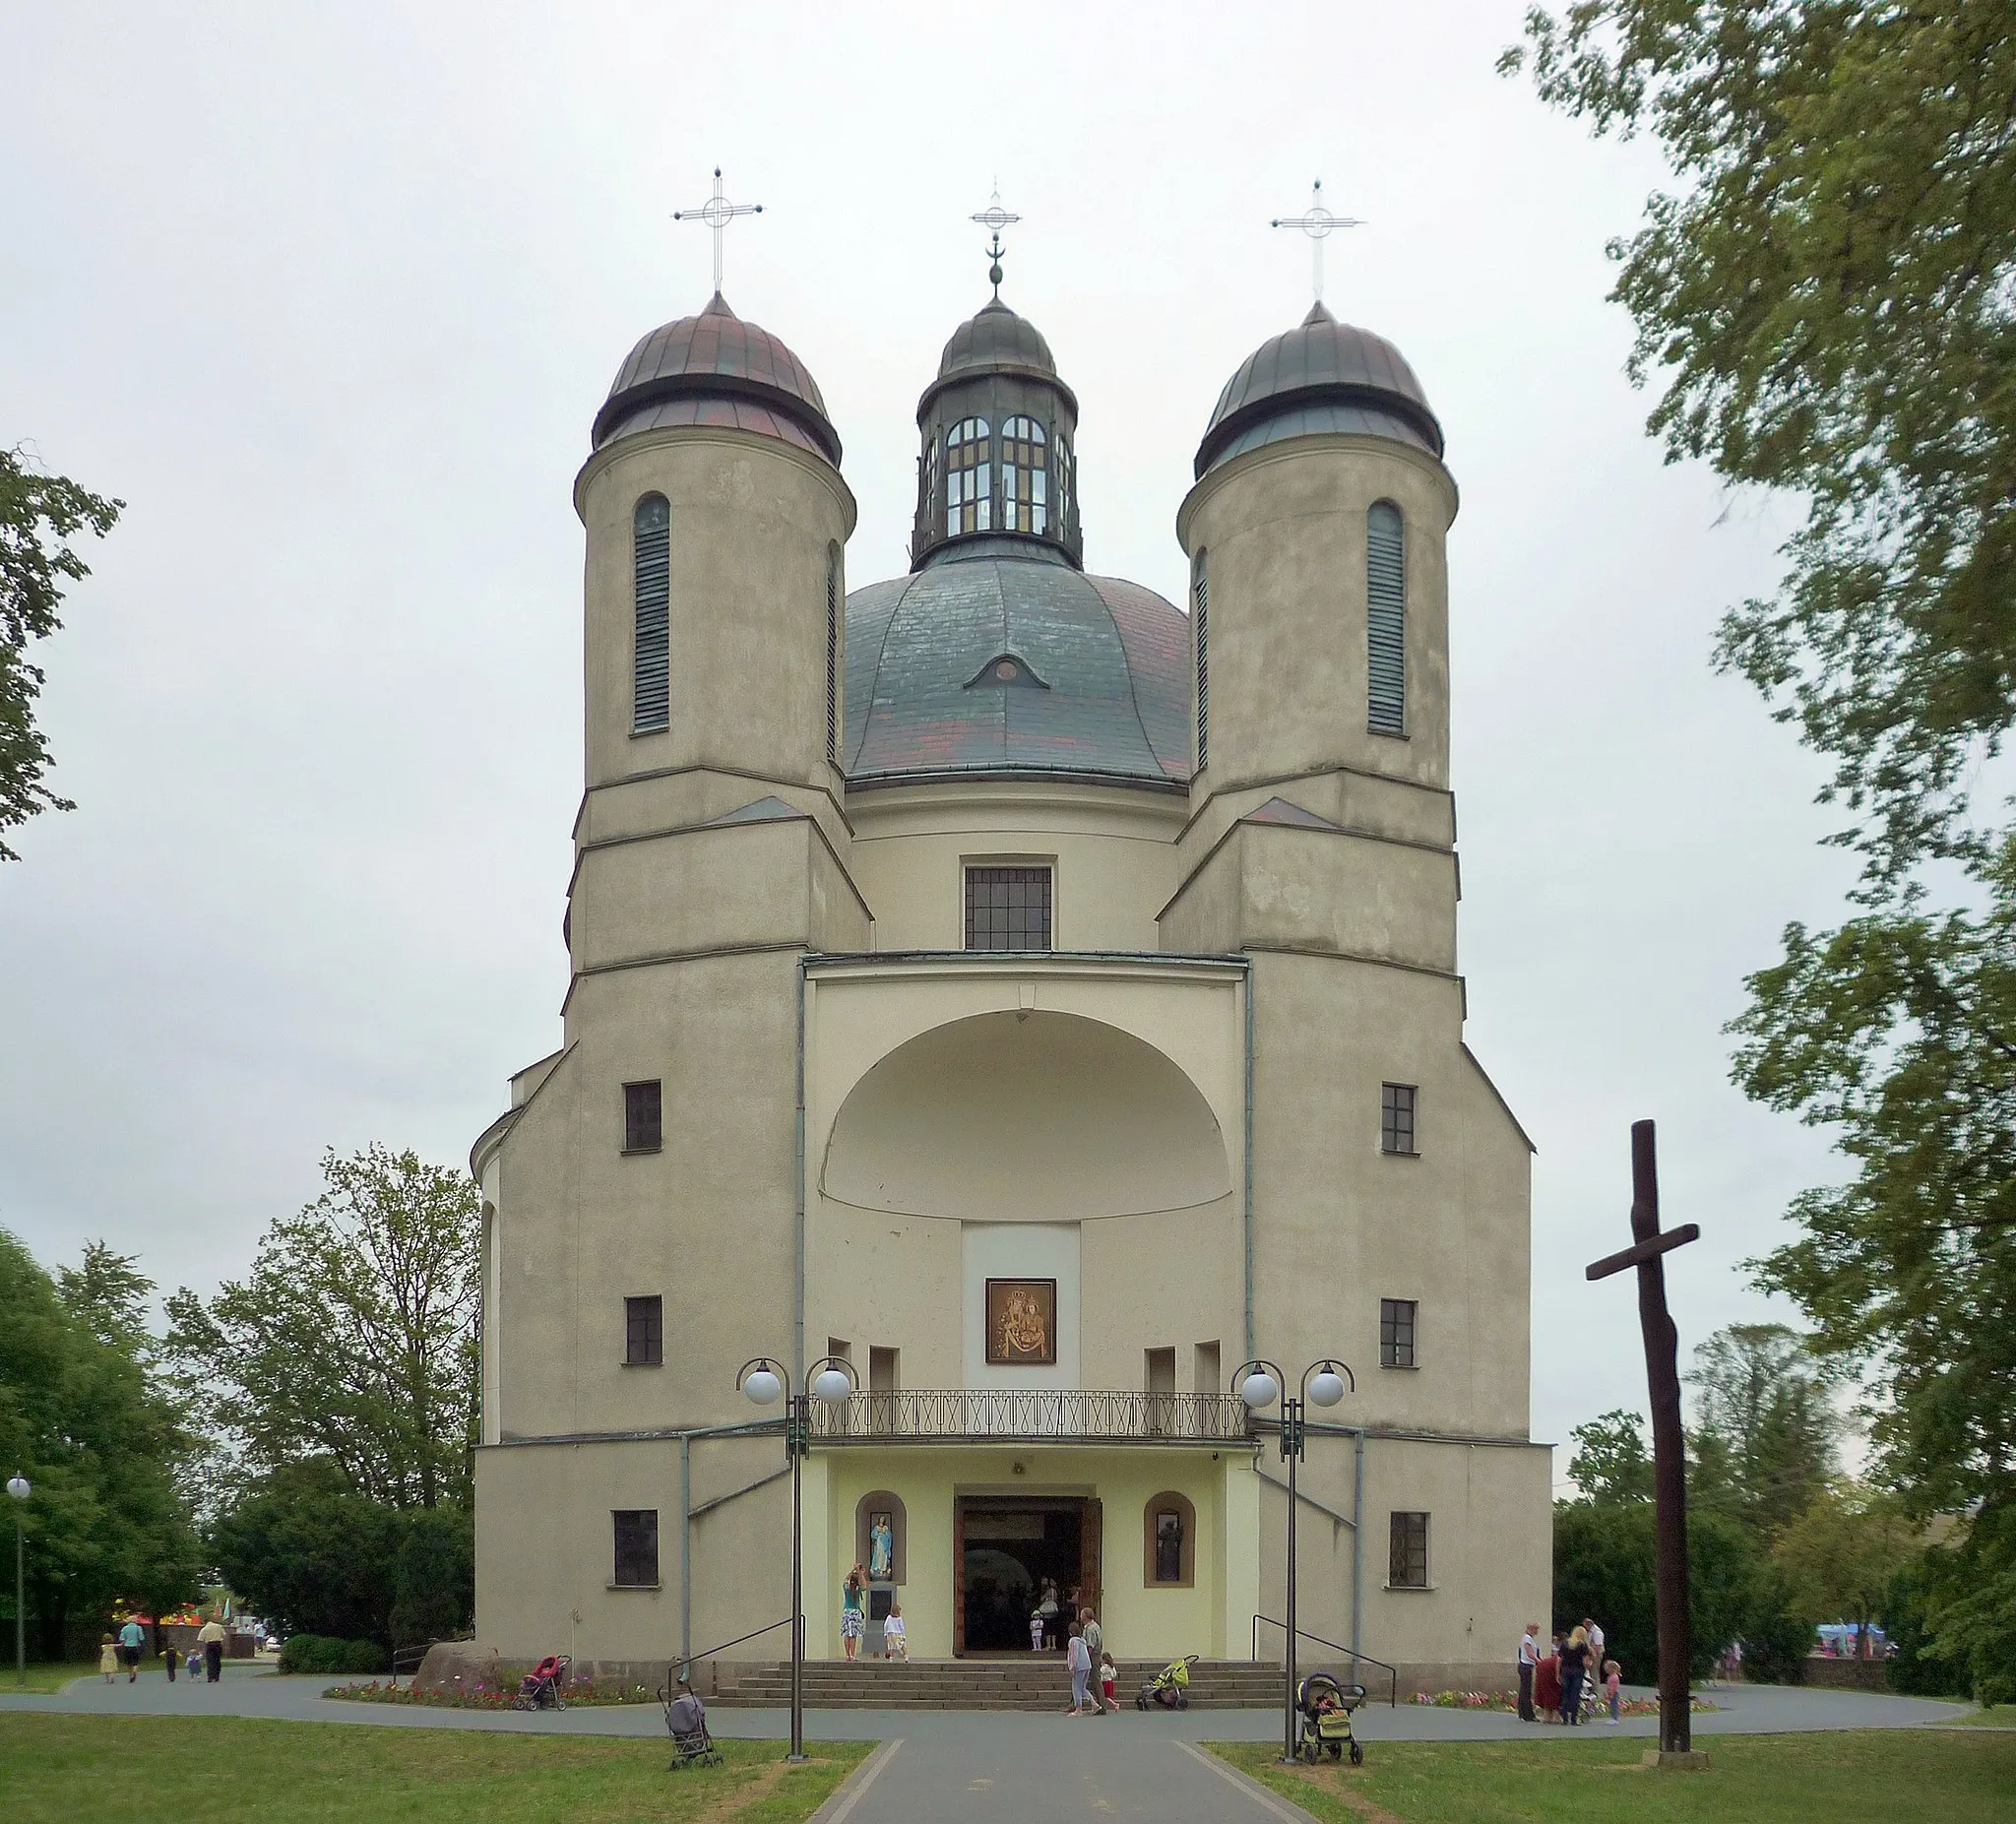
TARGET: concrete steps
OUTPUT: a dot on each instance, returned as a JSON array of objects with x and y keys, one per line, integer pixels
[{"x": 1025, "y": 1682}]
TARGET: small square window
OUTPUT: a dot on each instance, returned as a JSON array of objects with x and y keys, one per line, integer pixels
[
  {"x": 1396, "y": 1333},
  {"x": 1408, "y": 1561},
  {"x": 1008, "y": 908},
  {"x": 636, "y": 1547},
  {"x": 643, "y": 1117},
  {"x": 1396, "y": 1118},
  {"x": 644, "y": 1324}
]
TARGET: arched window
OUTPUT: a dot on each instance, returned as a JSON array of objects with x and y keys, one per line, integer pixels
[
  {"x": 969, "y": 500},
  {"x": 651, "y": 701},
  {"x": 1200, "y": 623},
  {"x": 1065, "y": 482},
  {"x": 1169, "y": 1542},
  {"x": 833, "y": 651},
  {"x": 1025, "y": 476},
  {"x": 1385, "y": 621}
]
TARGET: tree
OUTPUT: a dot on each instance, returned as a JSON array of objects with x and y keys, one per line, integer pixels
[
  {"x": 1830, "y": 303},
  {"x": 98, "y": 1440},
  {"x": 1844, "y": 1554},
  {"x": 1610, "y": 1462},
  {"x": 40, "y": 515},
  {"x": 1763, "y": 1444},
  {"x": 354, "y": 1338}
]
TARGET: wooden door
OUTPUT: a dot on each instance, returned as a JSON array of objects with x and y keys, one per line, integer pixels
[
  {"x": 958, "y": 1577},
  {"x": 1090, "y": 1555}
]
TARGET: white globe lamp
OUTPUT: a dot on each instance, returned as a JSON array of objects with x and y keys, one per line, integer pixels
[
  {"x": 1327, "y": 1388},
  {"x": 18, "y": 1488},
  {"x": 763, "y": 1386},
  {"x": 831, "y": 1385},
  {"x": 1259, "y": 1389}
]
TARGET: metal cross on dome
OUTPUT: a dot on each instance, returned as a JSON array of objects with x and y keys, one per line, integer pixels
[
  {"x": 716, "y": 211},
  {"x": 995, "y": 218},
  {"x": 1317, "y": 224}
]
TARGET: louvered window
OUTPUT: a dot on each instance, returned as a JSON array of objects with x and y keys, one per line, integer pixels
[
  {"x": 832, "y": 652},
  {"x": 652, "y": 683},
  {"x": 1200, "y": 615},
  {"x": 1385, "y": 622}
]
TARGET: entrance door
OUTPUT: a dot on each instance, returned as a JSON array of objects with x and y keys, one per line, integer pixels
[{"x": 1011, "y": 1553}]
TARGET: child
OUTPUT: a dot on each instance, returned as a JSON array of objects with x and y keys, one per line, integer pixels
[
  {"x": 1109, "y": 1679},
  {"x": 895, "y": 1641},
  {"x": 1036, "y": 1631},
  {"x": 108, "y": 1657},
  {"x": 193, "y": 1666},
  {"x": 1613, "y": 1680}
]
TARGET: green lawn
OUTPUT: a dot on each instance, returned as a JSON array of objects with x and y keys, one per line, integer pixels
[
  {"x": 65, "y": 1768},
  {"x": 47, "y": 1677},
  {"x": 1898, "y": 1774},
  {"x": 1996, "y": 1716}
]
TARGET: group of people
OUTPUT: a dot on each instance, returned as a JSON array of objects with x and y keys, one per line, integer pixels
[
  {"x": 206, "y": 1660},
  {"x": 853, "y": 1620},
  {"x": 1570, "y": 1678},
  {"x": 1086, "y": 1655}
]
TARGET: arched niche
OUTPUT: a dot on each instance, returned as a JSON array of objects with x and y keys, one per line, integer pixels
[
  {"x": 1168, "y": 1542},
  {"x": 1026, "y": 1117},
  {"x": 881, "y": 1501}
]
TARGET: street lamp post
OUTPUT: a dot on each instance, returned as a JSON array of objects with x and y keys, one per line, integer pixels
[
  {"x": 832, "y": 1380},
  {"x": 1259, "y": 1383},
  {"x": 18, "y": 1488}
]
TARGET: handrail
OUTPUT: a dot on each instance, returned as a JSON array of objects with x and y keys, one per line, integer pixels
[
  {"x": 415, "y": 1656},
  {"x": 686, "y": 1664},
  {"x": 1357, "y": 1658}
]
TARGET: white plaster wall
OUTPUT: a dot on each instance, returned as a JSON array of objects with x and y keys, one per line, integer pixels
[{"x": 1019, "y": 1252}]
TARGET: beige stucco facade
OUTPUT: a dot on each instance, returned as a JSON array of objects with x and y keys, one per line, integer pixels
[{"x": 1171, "y": 1115}]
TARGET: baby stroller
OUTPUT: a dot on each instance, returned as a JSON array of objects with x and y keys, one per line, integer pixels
[
  {"x": 1326, "y": 1704},
  {"x": 539, "y": 1688},
  {"x": 687, "y": 1724},
  {"x": 1169, "y": 1687}
]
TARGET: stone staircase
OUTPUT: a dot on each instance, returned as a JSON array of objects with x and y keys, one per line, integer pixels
[{"x": 1018, "y": 1682}]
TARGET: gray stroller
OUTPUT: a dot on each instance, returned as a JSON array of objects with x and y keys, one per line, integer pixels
[{"x": 686, "y": 1723}]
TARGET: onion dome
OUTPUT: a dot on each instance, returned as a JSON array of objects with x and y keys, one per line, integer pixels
[
  {"x": 1323, "y": 375},
  {"x": 1001, "y": 659},
  {"x": 995, "y": 341},
  {"x": 715, "y": 369}
]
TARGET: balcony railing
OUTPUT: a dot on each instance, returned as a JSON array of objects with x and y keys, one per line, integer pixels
[{"x": 1031, "y": 1415}]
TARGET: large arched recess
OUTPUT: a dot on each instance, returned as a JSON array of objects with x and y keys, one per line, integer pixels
[{"x": 1026, "y": 1117}]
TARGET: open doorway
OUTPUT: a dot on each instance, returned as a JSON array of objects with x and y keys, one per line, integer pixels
[{"x": 1012, "y": 1554}]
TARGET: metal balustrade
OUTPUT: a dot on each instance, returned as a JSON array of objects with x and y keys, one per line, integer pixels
[{"x": 1031, "y": 1415}]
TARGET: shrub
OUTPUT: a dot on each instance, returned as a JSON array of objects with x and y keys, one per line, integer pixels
[{"x": 321, "y": 1653}]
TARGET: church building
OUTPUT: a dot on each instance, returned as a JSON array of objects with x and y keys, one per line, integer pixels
[{"x": 1030, "y": 1001}]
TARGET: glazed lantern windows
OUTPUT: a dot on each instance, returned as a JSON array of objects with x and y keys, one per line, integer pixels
[
  {"x": 968, "y": 506},
  {"x": 1025, "y": 476}
]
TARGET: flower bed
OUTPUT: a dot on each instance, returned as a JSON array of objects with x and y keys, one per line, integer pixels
[
  {"x": 1505, "y": 1701},
  {"x": 391, "y": 1692}
]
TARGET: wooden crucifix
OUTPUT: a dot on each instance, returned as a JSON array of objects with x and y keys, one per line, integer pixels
[{"x": 1650, "y": 1246}]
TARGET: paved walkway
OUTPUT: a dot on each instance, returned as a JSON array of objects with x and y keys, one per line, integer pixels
[{"x": 1004, "y": 1764}]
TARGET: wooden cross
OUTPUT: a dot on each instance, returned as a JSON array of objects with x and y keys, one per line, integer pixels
[{"x": 1648, "y": 1254}]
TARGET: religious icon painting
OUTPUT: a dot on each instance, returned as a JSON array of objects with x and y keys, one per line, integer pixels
[{"x": 1022, "y": 1323}]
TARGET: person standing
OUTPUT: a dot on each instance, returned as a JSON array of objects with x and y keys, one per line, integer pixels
[
  {"x": 1080, "y": 1662},
  {"x": 1594, "y": 1635},
  {"x": 1546, "y": 1683},
  {"x": 1613, "y": 1690},
  {"x": 108, "y": 1657},
  {"x": 210, "y": 1638},
  {"x": 132, "y": 1637},
  {"x": 1529, "y": 1658},
  {"x": 1094, "y": 1645},
  {"x": 169, "y": 1657},
  {"x": 1574, "y": 1665},
  {"x": 894, "y": 1637},
  {"x": 852, "y": 1622}
]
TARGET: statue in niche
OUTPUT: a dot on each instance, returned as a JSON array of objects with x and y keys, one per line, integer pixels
[
  {"x": 1022, "y": 1322},
  {"x": 1168, "y": 1547},
  {"x": 881, "y": 1547}
]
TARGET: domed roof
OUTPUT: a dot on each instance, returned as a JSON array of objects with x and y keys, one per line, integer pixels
[
  {"x": 994, "y": 341},
  {"x": 715, "y": 369},
  {"x": 1322, "y": 375},
  {"x": 1008, "y": 661}
]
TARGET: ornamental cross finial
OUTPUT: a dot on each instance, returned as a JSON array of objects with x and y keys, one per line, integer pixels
[
  {"x": 716, "y": 211},
  {"x": 1317, "y": 224},
  {"x": 995, "y": 218}
]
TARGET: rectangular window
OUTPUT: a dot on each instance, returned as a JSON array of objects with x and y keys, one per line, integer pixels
[
  {"x": 1408, "y": 1560},
  {"x": 643, "y": 1117},
  {"x": 1396, "y": 1118},
  {"x": 652, "y": 584},
  {"x": 833, "y": 653},
  {"x": 1008, "y": 908},
  {"x": 644, "y": 1327},
  {"x": 1385, "y": 621},
  {"x": 636, "y": 1547},
  {"x": 1396, "y": 1333},
  {"x": 1200, "y": 620}
]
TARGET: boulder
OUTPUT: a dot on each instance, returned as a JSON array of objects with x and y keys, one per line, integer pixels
[{"x": 453, "y": 1665}]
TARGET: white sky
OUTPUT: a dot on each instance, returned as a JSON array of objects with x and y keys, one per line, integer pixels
[{"x": 329, "y": 296}]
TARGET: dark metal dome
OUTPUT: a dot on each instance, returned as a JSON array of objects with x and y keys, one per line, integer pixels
[
  {"x": 992, "y": 338},
  {"x": 1009, "y": 661},
  {"x": 1322, "y": 375},
  {"x": 715, "y": 369}
]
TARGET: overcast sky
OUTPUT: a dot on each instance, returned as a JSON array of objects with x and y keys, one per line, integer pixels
[{"x": 329, "y": 297}]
